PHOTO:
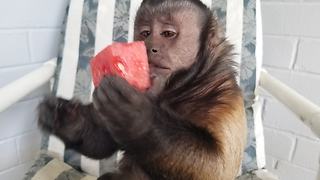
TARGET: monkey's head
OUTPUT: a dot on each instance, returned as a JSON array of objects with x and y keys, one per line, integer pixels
[{"x": 172, "y": 31}]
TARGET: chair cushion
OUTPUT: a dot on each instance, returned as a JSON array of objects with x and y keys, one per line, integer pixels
[
  {"x": 91, "y": 25},
  {"x": 47, "y": 168}
]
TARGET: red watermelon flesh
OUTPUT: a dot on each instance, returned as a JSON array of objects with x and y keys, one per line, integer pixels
[{"x": 127, "y": 60}]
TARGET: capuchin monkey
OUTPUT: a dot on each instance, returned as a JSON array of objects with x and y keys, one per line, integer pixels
[{"x": 189, "y": 125}]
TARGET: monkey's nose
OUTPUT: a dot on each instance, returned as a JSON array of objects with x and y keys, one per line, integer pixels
[{"x": 154, "y": 50}]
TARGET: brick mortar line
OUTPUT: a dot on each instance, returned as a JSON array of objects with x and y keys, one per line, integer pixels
[
  {"x": 10, "y": 30},
  {"x": 291, "y": 37},
  {"x": 22, "y": 65},
  {"x": 301, "y": 36},
  {"x": 13, "y": 138},
  {"x": 18, "y": 151},
  {"x": 301, "y": 2},
  {"x": 292, "y": 164},
  {"x": 306, "y": 72},
  {"x": 288, "y": 132},
  {"x": 14, "y": 167},
  {"x": 280, "y": 2},
  {"x": 293, "y": 150},
  {"x": 29, "y": 46},
  {"x": 295, "y": 53},
  {"x": 272, "y": 67},
  {"x": 301, "y": 72}
]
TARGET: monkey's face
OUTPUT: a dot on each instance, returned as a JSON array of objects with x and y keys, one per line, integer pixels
[{"x": 172, "y": 42}]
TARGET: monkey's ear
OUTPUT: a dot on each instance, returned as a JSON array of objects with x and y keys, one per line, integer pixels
[
  {"x": 214, "y": 34},
  {"x": 216, "y": 44}
]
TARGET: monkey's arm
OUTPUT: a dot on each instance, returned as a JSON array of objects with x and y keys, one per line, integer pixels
[
  {"x": 73, "y": 123},
  {"x": 166, "y": 145},
  {"x": 203, "y": 148},
  {"x": 180, "y": 149}
]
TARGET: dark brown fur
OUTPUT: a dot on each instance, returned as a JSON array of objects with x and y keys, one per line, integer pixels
[{"x": 199, "y": 129}]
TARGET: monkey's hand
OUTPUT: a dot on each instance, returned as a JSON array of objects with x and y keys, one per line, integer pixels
[
  {"x": 125, "y": 112},
  {"x": 59, "y": 116},
  {"x": 73, "y": 123}
]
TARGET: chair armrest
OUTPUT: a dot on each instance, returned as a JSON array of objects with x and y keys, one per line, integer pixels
[
  {"x": 307, "y": 111},
  {"x": 21, "y": 87}
]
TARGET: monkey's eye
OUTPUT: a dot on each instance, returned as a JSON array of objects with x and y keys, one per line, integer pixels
[
  {"x": 168, "y": 34},
  {"x": 145, "y": 33}
]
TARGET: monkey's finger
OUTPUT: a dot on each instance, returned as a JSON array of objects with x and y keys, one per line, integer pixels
[
  {"x": 111, "y": 90},
  {"x": 97, "y": 104},
  {"x": 125, "y": 90},
  {"x": 107, "y": 118},
  {"x": 102, "y": 104},
  {"x": 111, "y": 97},
  {"x": 105, "y": 104}
]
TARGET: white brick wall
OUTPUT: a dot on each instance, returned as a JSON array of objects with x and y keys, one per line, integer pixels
[
  {"x": 292, "y": 54},
  {"x": 29, "y": 35}
]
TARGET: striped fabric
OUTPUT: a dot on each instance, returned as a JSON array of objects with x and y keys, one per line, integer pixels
[{"x": 93, "y": 24}]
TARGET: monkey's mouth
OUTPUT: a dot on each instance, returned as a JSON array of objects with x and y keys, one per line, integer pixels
[
  {"x": 157, "y": 66},
  {"x": 158, "y": 70}
]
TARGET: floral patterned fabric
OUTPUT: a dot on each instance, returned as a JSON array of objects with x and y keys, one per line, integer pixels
[
  {"x": 120, "y": 33},
  {"x": 248, "y": 71}
]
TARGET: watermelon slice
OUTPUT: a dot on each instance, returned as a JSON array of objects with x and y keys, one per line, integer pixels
[{"x": 127, "y": 60}]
